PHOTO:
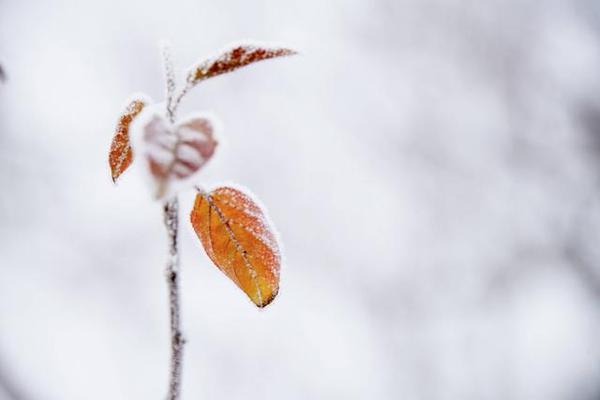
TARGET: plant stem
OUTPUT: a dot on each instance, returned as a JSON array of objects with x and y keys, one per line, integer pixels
[
  {"x": 175, "y": 102},
  {"x": 171, "y": 221}
]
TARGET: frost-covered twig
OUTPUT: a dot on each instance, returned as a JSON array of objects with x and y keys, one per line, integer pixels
[
  {"x": 175, "y": 103},
  {"x": 165, "y": 49},
  {"x": 171, "y": 220},
  {"x": 171, "y": 210}
]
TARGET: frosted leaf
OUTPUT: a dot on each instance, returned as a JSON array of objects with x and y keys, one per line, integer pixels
[
  {"x": 240, "y": 240},
  {"x": 120, "y": 155},
  {"x": 173, "y": 153},
  {"x": 234, "y": 57}
]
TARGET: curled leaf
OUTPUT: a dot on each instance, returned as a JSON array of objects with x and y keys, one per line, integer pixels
[
  {"x": 174, "y": 153},
  {"x": 238, "y": 238},
  {"x": 120, "y": 155},
  {"x": 234, "y": 58}
]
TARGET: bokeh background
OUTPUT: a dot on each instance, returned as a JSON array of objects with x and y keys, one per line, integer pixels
[{"x": 433, "y": 167}]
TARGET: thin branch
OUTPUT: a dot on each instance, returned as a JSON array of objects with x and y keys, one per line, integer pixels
[
  {"x": 171, "y": 209},
  {"x": 177, "y": 100},
  {"x": 171, "y": 220},
  {"x": 165, "y": 50},
  {"x": 172, "y": 100}
]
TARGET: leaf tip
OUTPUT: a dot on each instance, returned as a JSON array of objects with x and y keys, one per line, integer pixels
[{"x": 268, "y": 300}]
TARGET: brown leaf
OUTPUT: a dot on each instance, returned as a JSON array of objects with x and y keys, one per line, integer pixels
[
  {"x": 234, "y": 58},
  {"x": 174, "y": 153},
  {"x": 237, "y": 237},
  {"x": 121, "y": 156}
]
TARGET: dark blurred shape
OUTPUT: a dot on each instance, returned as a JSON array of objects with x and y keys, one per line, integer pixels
[
  {"x": 8, "y": 388},
  {"x": 2, "y": 75}
]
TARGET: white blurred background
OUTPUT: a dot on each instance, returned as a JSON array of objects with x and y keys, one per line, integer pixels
[{"x": 433, "y": 167}]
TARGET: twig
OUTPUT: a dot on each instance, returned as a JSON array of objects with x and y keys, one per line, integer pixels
[
  {"x": 177, "y": 100},
  {"x": 165, "y": 50},
  {"x": 171, "y": 209},
  {"x": 171, "y": 220}
]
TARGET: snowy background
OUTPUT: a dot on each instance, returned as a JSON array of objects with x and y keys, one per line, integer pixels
[{"x": 433, "y": 167}]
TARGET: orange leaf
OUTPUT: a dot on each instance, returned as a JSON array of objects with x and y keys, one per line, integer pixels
[
  {"x": 234, "y": 58},
  {"x": 120, "y": 155},
  {"x": 174, "y": 153},
  {"x": 238, "y": 239}
]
